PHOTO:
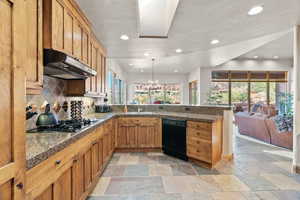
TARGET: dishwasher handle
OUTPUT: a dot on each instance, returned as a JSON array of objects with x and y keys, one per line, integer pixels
[{"x": 174, "y": 122}]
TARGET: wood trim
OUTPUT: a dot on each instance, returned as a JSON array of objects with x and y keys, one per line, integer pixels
[
  {"x": 128, "y": 150},
  {"x": 296, "y": 169},
  {"x": 7, "y": 172},
  {"x": 18, "y": 94},
  {"x": 229, "y": 157}
]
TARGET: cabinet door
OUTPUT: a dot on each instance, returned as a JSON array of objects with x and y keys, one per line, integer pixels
[
  {"x": 99, "y": 73},
  {"x": 105, "y": 147},
  {"x": 78, "y": 177},
  {"x": 112, "y": 141},
  {"x": 62, "y": 188},
  {"x": 47, "y": 194},
  {"x": 100, "y": 159},
  {"x": 127, "y": 136},
  {"x": 77, "y": 37},
  {"x": 85, "y": 46},
  {"x": 95, "y": 159},
  {"x": 88, "y": 168},
  {"x": 12, "y": 81},
  {"x": 57, "y": 25},
  {"x": 149, "y": 133},
  {"x": 34, "y": 66},
  {"x": 147, "y": 136},
  {"x": 68, "y": 32},
  {"x": 94, "y": 66}
]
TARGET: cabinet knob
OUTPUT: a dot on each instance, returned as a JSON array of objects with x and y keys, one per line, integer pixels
[
  {"x": 20, "y": 186},
  {"x": 57, "y": 162}
]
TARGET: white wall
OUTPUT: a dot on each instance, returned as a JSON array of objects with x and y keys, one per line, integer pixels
[
  {"x": 116, "y": 68},
  {"x": 251, "y": 65},
  {"x": 181, "y": 79}
]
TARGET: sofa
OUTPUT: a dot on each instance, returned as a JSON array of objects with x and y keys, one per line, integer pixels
[{"x": 261, "y": 125}]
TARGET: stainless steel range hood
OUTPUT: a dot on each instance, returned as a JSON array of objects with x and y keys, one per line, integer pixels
[{"x": 60, "y": 65}]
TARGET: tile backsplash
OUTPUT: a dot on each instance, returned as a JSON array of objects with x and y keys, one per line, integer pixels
[{"x": 53, "y": 91}]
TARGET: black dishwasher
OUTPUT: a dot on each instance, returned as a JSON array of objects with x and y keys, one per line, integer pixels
[{"x": 174, "y": 138}]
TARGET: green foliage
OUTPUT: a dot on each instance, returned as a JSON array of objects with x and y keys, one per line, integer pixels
[
  {"x": 218, "y": 94},
  {"x": 286, "y": 104}
]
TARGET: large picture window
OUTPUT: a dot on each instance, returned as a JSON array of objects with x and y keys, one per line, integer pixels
[
  {"x": 246, "y": 88},
  {"x": 116, "y": 89},
  {"x": 145, "y": 93}
]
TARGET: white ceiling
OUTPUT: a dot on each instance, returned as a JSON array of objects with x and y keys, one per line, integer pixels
[
  {"x": 283, "y": 48},
  {"x": 195, "y": 24}
]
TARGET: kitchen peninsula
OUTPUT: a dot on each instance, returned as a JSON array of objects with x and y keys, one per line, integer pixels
[{"x": 79, "y": 158}]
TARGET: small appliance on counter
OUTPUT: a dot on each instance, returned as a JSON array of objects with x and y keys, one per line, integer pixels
[
  {"x": 46, "y": 119},
  {"x": 102, "y": 108}
]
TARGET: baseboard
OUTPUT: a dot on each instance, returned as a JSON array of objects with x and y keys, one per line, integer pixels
[
  {"x": 128, "y": 150},
  {"x": 201, "y": 163}
]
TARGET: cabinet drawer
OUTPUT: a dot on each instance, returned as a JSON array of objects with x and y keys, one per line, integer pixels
[
  {"x": 202, "y": 150},
  {"x": 128, "y": 121},
  {"x": 194, "y": 141},
  {"x": 148, "y": 121},
  {"x": 198, "y": 133},
  {"x": 200, "y": 125}
]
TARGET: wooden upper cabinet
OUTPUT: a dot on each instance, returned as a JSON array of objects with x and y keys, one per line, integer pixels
[
  {"x": 99, "y": 73},
  {"x": 12, "y": 80},
  {"x": 34, "y": 66},
  {"x": 85, "y": 46},
  {"x": 57, "y": 25},
  {"x": 66, "y": 29},
  {"x": 77, "y": 40},
  {"x": 68, "y": 32}
]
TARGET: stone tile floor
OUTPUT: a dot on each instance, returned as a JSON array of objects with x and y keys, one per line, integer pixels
[{"x": 258, "y": 172}]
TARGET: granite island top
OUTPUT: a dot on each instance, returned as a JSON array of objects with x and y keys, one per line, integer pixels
[{"x": 40, "y": 146}]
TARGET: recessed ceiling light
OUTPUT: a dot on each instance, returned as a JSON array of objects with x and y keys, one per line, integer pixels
[
  {"x": 147, "y": 54},
  {"x": 255, "y": 10},
  {"x": 275, "y": 57},
  {"x": 178, "y": 50},
  {"x": 255, "y": 57},
  {"x": 124, "y": 37},
  {"x": 130, "y": 64},
  {"x": 214, "y": 41},
  {"x": 176, "y": 70}
]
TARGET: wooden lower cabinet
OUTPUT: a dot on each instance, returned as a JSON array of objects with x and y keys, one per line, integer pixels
[
  {"x": 88, "y": 168},
  {"x": 140, "y": 132},
  {"x": 204, "y": 141},
  {"x": 72, "y": 173},
  {"x": 62, "y": 188},
  {"x": 47, "y": 194},
  {"x": 78, "y": 173},
  {"x": 127, "y": 136}
]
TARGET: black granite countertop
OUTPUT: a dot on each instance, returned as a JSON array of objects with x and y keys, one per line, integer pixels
[{"x": 40, "y": 146}]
